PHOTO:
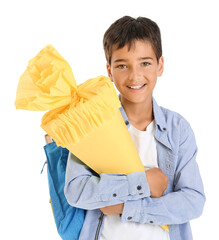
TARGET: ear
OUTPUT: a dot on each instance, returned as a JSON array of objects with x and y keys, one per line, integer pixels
[
  {"x": 109, "y": 71},
  {"x": 160, "y": 66}
]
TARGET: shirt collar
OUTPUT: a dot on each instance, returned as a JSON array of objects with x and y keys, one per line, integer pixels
[
  {"x": 158, "y": 115},
  {"x": 160, "y": 120}
]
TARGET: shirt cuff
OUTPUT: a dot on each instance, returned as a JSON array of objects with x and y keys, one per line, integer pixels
[
  {"x": 131, "y": 211},
  {"x": 138, "y": 185}
]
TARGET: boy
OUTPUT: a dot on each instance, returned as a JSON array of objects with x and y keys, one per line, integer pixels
[{"x": 170, "y": 191}]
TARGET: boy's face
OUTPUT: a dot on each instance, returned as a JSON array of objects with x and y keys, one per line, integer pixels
[{"x": 138, "y": 68}]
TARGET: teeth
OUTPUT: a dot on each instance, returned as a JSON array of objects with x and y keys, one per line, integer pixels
[{"x": 136, "y": 87}]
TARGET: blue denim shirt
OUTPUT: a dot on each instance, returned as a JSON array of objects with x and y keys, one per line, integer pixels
[{"x": 182, "y": 201}]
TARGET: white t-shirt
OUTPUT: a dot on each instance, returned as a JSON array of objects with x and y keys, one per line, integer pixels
[{"x": 113, "y": 227}]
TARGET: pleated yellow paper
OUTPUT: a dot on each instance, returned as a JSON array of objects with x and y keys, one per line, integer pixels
[{"x": 85, "y": 119}]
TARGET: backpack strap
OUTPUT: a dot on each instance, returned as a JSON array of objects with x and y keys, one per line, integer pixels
[{"x": 68, "y": 219}]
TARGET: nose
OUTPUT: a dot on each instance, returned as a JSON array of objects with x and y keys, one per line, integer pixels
[{"x": 135, "y": 74}]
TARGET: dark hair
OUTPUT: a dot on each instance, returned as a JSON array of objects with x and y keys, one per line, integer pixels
[{"x": 126, "y": 30}]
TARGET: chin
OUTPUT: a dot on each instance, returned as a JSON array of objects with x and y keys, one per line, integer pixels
[{"x": 135, "y": 99}]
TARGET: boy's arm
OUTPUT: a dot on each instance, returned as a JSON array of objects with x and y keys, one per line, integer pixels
[
  {"x": 187, "y": 200},
  {"x": 157, "y": 181},
  {"x": 88, "y": 190}
]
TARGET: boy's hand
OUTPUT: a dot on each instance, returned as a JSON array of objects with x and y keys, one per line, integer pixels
[
  {"x": 114, "y": 209},
  {"x": 157, "y": 181}
]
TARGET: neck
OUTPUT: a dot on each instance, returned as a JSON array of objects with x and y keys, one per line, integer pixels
[{"x": 138, "y": 113}]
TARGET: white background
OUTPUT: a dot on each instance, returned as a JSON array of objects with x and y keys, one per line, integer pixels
[{"x": 75, "y": 28}]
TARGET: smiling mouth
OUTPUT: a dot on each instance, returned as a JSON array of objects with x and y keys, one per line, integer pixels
[{"x": 137, "y": 87}]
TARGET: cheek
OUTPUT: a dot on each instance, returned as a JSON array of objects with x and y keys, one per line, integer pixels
[
  {"x": 119, "y": 77},
  {"x": 152, "y": 74},
  {"x": 151, "y": 77}
]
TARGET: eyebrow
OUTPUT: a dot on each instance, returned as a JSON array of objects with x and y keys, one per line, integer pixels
[
  {"x": 126, "y": 60},
  {"x": 145, "y": 58},
  {"x": 120, "y": 60}
]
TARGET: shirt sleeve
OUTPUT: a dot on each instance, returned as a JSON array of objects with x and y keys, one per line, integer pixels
[
  {"x": 87, "y": 190},
  {"x": 187, "y": 200}
]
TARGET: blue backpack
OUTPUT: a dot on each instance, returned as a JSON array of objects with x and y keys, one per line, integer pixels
[{"x": 68, "y": 219}]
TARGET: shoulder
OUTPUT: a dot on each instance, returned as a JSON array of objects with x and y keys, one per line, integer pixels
[
  {"x": 168, "y": 119},
  {"x": 178, "y": 127},
  {"x": 174, "y": 119}
]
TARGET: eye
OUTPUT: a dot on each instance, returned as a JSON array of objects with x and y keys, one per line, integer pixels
[
  {"x": 121, "y": 66},
  {"x": 145, "y": 64}
]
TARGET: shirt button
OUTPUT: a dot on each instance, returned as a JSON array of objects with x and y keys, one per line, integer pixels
[
  {"x": 164, "y": 129},
  {"x": 114, "y": 195},
  {"x": 151, "y": 222},
  {"x": 126, "y": 122},
  {"x": 139, "y": 187},
  {"x": 129, "y": 218}
]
